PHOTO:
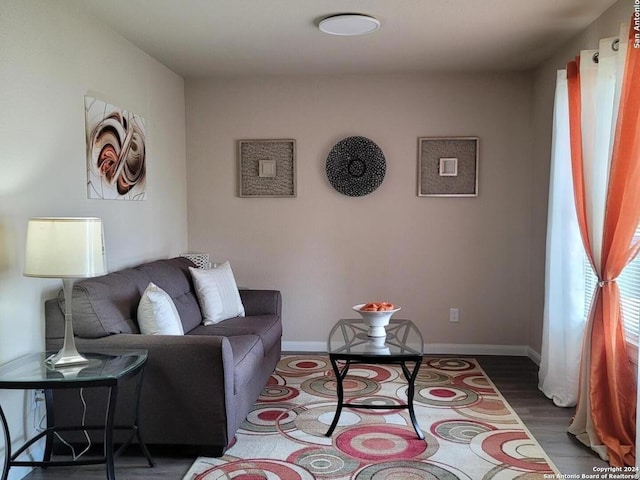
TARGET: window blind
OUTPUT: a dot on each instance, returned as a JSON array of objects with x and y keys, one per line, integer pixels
[{"x": 629, "y": 284}]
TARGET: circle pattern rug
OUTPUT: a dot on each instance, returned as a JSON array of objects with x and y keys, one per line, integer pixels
[
  {"x": 470, "y": 431},
  {"x": 379, "y": 442}
]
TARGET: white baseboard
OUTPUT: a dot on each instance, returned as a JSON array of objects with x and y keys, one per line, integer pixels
[
  {"x": 474, "y": 349},
  {"x": 306, "y": 347},
  {"x": 534, "y": 356},
  {"x": 434, "y": 349}
]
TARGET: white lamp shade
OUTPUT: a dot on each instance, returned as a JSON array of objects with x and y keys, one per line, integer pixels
[{"x": 64, "y": 248}]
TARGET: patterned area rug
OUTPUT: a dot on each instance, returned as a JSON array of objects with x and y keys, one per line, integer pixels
[{"x": 471, "y": 432}]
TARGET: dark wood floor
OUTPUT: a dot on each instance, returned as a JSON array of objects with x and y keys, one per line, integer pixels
[
  {"x": 515, "y": 377},
  {"x": 517, "y": 380}
]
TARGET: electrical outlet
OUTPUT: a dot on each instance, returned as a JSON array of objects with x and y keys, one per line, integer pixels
[
  {"x": 37, "y": 399},
  {"x": 454, "y": 315},
  {"x": 38, "y": 411}
]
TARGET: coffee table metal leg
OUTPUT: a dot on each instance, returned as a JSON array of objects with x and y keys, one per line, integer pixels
[
  {"x": 339, "y": 377},
  {"x": 7, "y": 445},
  {"x": 141, "y": 443},
  {"x": 411, "y": 379},
  {"x": 108, "y": 432},
  {"x": 48, "y": 444}
]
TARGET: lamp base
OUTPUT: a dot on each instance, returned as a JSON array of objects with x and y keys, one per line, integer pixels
[
  {"x": 68, "y": 354},
  {"x": 65, "y": 359}
]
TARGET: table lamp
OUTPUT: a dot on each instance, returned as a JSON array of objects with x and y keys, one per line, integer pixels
[{"x": 66, "y": 248}]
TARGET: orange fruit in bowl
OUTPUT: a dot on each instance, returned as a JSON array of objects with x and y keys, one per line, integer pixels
[{"x": 377, "y": 307}]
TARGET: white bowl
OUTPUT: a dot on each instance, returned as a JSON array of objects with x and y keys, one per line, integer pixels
[{"x": 376, "y": 321}]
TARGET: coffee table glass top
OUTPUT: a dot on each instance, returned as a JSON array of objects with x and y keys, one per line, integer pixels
[
  {"x": 349, "y": 338},
  {"x": 33, "y": 368}
]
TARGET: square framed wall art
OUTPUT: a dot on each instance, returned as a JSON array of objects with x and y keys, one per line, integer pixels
[
  {"x": 267, "y": 168},
  {"x": 448, "y": 166}
]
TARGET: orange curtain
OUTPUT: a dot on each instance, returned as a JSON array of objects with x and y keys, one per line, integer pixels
[{"x": 607, "y": 395}]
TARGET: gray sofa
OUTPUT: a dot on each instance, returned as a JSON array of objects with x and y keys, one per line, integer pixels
[{"x": 198, "y": 388}]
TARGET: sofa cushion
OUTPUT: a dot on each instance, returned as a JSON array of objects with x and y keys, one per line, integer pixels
[
  {"x": 106, "y": 305},
  {"x": 267, "y": 327},
  {"x": 172, "y": 275},
  {"x": 157, "y": 314},
  {"x": 217, "y": 293}
]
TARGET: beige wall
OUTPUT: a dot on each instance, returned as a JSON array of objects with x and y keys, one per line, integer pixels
[
  {"x": 49, "y": 59},
  {"x": 608, "y": 25},
  {"x": 327, "y": 252}
]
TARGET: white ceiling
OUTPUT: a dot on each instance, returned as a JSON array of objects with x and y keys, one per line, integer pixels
[{"x": 197, "y": 38}]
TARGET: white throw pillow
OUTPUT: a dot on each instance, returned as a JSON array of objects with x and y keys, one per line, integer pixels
[
  {"x": 217, "y": 293},
  {"x": 157, "y": 314}
]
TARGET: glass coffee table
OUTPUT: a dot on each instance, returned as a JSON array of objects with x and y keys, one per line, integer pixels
[{"x": 349, "y": 344}]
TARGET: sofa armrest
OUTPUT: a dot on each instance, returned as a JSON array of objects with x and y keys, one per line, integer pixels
[
  {"x": 201, "y": 362},
  {"x": 261, "y": 302},
  {"x": 202, "y": 348},
  {"x": 188, "y": 373}
]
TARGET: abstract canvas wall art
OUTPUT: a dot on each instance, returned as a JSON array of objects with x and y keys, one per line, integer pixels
[{"x": 116, "y": 152}]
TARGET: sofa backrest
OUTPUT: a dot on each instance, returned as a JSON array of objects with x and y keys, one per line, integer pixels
[
  {"x": 174, "y": 277},
  {"x": 108, "y": 305}
]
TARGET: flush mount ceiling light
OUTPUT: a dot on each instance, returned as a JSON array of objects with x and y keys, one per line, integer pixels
[{"x": 349, "y": 24}]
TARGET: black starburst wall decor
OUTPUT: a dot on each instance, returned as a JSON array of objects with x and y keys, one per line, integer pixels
[{"x": 356, "y": 166}]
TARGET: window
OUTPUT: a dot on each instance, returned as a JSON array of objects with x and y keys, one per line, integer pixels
[{"x": 629, "y": 284}]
